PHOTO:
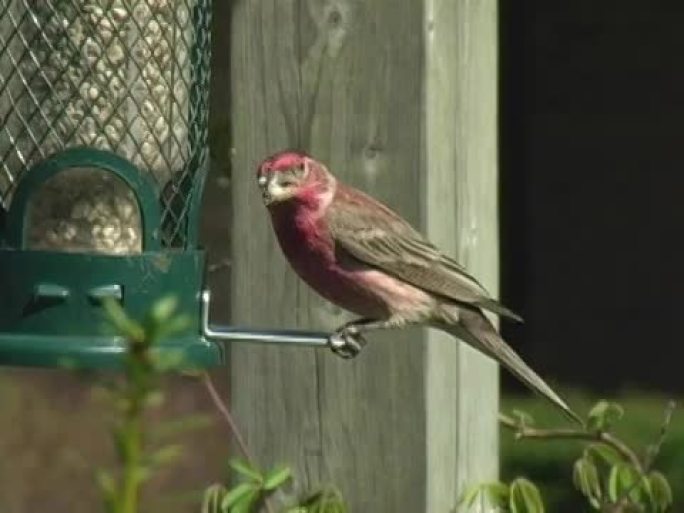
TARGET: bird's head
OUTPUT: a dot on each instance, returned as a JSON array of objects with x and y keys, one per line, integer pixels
[{"x": 293, "y": 175}]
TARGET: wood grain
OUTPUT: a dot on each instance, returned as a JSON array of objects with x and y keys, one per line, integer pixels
[{"x": 381, "y": 91}]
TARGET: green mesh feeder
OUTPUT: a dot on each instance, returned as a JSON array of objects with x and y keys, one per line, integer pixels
[{"x": 103, "y": 155}]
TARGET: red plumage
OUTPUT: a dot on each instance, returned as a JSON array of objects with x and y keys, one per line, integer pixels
[{"x": 359, "y": 254}]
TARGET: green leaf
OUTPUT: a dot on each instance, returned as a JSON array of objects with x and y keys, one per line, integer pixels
[
  {"x": 496, "y": 492},
  {"x": 163, "y": 309},
  {"x": 586, "y": 479},
  {"x": 276, "y": 478},
  {"x": 119, "y": 439},
  {"x": 121, "y": 321},
  {"x": 525, "y": 497},
  {"x": 624, "y": 481},
  {"x": 212, "y": 499},
  {"x": 232, "y": 496},
  {"x": 603, "y": 415},
  {"x": 603, "y": 453},
  {"x": 329, "y": 505},
  {"x": 327, "y": 500},
  {"x": 471, "y": 494},
  {"x": 107, "y": 485},
  {"x": 172, "y": 326},
  {"x": 311, "y": 499},
  {"x": 613, "y": 482},
  {"x": 142, "y": 473},
  {"x": 168, "y": 360},
  {"x": 660, "y": 491},
  {"x": 644, "y": 494},
  {"x": 246, "y": 470},
  {"x": 246, "y": 502}
]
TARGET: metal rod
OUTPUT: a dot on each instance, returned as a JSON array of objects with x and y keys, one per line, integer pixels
[{"x": 233, "y": 334}]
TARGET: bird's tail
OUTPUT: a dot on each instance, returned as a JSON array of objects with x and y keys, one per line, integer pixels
[{"x": 476, "y": 330}]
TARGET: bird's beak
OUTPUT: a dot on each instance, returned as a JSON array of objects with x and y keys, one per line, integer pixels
[
  {"x": 273, "y": 193},
  {"x": 265, "y": 185}
]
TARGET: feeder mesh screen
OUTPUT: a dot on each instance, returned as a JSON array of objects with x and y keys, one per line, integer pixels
[{"x": 129, "y": 76}]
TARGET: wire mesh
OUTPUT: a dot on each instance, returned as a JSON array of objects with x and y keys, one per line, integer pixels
[{"x": 128, "y": 76}]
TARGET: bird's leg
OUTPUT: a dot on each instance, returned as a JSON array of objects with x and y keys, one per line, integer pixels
[{"x": 348, "y": 340}]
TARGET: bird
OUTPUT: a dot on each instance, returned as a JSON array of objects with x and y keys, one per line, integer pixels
[{"x": 359, "y": 254}]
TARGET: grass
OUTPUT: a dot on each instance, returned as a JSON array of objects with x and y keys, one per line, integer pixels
[{"x": 549, "y": 463}]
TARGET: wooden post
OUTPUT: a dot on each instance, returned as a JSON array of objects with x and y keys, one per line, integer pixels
[{"x": 399, "y": 98}]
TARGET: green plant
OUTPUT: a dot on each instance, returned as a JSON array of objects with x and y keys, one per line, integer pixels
[
  {"x": 520, "y": 496},
  {"x": 254, "y": 487},
  {"x": 609, "y": 474},
  {"x": 326, "y": 500},
  {"x": 549, "y": 464},
  {"x": 141, "y": 451}
]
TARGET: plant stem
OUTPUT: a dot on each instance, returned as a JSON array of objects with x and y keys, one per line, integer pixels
[
  {"x": 654, "y": 450},
  {"x": 131, "y": 479},
  {"x": 232, "y": 426},
  {"x": 131, "y": 437},
  {"x": 522, "y": 431},
  {"x": 225, "y": 412},
  {"x": 136, "y": 391}
]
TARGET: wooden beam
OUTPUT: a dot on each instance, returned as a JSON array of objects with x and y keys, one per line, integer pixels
[{"x": 399, "y": 98}]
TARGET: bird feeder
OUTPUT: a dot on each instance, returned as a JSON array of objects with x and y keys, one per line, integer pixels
[
  {"x": 103, "y": 155},
  {"x": 103, "y": 151}
]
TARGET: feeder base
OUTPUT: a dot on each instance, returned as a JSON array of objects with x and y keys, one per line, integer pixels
[{"x": 51, "y": 311}]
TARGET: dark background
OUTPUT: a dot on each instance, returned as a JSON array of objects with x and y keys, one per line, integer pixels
[{"x": 592, "y": 98}]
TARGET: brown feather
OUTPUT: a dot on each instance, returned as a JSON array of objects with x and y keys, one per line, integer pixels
[
  {"x": 475, "y": 329},
  {"x": 374, "y": 234}
]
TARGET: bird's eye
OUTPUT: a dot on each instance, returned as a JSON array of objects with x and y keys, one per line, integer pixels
[
  {"x": 287, "y": 182},
  {"x": 290, "y": 177}
]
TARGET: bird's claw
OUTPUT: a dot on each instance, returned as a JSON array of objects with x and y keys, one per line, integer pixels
[{"x": 347, "y": 342}]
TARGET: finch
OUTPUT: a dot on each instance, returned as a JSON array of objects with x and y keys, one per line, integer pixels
[{"x": 360, "y": 255}]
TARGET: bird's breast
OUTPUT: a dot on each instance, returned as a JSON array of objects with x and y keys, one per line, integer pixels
[{"x": 339, "y": 278}]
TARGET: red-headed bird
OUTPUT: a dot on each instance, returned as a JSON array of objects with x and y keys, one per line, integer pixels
[{"x": 357, "y": 253}]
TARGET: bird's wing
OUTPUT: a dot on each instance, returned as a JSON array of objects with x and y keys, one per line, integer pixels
[{"x": 372, "y": 233}]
